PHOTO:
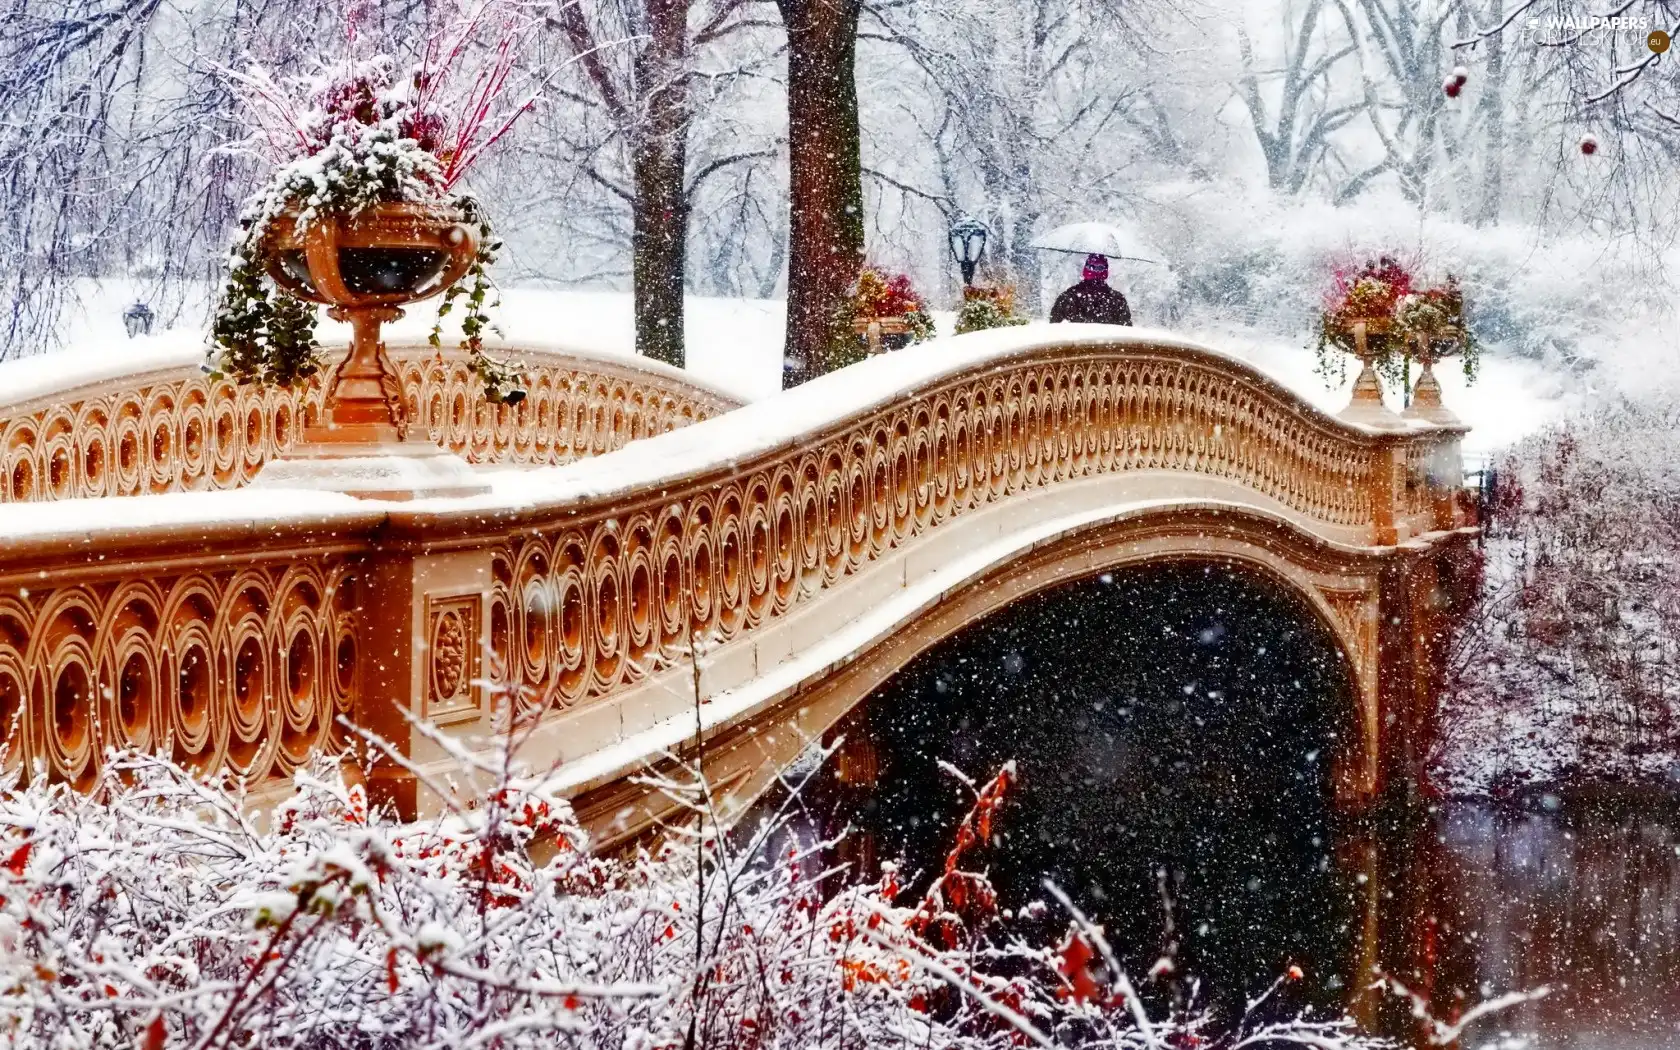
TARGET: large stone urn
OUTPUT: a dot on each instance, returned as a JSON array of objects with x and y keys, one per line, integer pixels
[
  {"x": 1370, "y": 342},
  {"x": 366, "y": 269}
]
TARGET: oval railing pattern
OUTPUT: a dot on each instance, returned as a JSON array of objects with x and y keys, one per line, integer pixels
[
  {"x": 591, "y": 589},
  {"x": 238, "y": 671},
  {"x": 594, "y": 604},
  {"x": 182, "y": 431}
]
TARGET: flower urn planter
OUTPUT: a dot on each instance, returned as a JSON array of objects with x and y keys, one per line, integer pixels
[
  {"x": 365, "y": 269},
  {"x": 1430, "y": 347},
  {"x": 1369, "y": 337},
  {"x": 881, "y": 334}
]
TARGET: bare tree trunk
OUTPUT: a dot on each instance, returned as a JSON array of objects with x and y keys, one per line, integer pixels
[
  {"x": 651, "y": 104},
  {"x": 1493, "y": 118},
  {"x": 1024, "y": 261},
  {"x": 1023, "y": 184},
  {"x": 825, "y": 178},
  {"x": 659, "y": 231}
]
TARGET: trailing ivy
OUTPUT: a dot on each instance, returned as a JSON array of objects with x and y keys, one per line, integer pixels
[
  {"x": 261, "y": 334},
  {"x": 503, "y": 380}
]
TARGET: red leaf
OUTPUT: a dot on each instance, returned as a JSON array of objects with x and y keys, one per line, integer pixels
[
  {"x": 154, "y": 1034},
  {"x": 19, "y": 858},
  {"x": 1074, "y": 965}
]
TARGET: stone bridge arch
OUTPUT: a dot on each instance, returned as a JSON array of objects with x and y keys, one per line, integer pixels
[
  {"x": 1339, "y": 588},
  {"x": 802, "y": 538}
]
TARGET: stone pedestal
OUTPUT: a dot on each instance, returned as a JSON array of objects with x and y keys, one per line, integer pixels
[
  {"x": 394, "y": 470},
  {"x": 1367, "y": 406},
  {"x": 1426, "y": 400}
]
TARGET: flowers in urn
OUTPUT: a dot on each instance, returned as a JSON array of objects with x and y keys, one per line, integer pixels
[
  {"x": 1384, "y": 316},
  {"x": 1432, "y": 326},
  {"x": 884, "y": 312},
  {"x": 1358, "y": 318},
  {"x": 881, "y": 294},
  {"x": 986, "y": 306},
  {"x": 363, "y": 209}
]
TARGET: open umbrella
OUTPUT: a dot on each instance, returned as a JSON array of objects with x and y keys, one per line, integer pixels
[{"x": 1093, "y": 238}]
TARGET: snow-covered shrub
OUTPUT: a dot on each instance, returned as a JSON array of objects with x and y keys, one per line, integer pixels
[
  {"x": 157, "y": 912},
  {"x": 988, "y": 307},
  {"x": 1569, "y": 667}
]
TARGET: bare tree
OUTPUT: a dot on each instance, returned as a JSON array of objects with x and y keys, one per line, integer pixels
[
  {"x": 114, "y": 123},
  {"x": 1491, "y": 118},
  {"x": 1292, "y": 105},
  {"x": 1041, "y": 111},
  {"x": 641, "y": 75},
  {"x": 65, "y": 73},
  {"x": 1594, "y": 72},
  {"x": 1607, "y": 51},
  {"x": 1407, "y": 42}
]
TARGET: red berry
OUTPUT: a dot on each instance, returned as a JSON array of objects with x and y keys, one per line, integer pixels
[
  {"x": 1589, "y": 145},
  {"x": 1461, "y": 75},
  {"x": 1452, "y": 87}
]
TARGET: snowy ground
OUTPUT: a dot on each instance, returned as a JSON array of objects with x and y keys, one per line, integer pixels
[{"x": 737, "y": 344}]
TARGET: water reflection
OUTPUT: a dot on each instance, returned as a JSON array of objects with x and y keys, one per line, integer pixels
[
  {"x": 1174, "y": 732},
  {"x": 1584, "y": 899}
]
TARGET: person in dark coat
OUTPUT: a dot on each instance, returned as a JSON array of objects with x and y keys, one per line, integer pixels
[{"x": 1092, "y": 301}]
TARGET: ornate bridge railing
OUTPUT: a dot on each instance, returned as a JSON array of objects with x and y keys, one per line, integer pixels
[
  {"x": 232, "y": 626},
  {"x": 175, "y": 429}
]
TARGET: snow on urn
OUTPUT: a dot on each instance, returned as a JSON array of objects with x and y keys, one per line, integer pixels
[{"x": 362, "y": 213}]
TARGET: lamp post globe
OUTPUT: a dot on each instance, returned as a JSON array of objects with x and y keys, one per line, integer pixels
[{"x": 968, "y": 244}]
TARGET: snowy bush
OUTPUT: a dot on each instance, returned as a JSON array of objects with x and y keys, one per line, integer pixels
[
  {"x": 157, "y": 912},
  {"x": 988, "y": 307},
  {"x": 1569, "y": 667}
]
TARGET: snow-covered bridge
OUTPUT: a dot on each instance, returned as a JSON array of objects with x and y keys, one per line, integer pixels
[{"x": 813, "y": 542}]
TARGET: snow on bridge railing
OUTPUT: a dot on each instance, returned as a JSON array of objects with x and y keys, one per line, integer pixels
[
  {"x": 86, "y": 426},
  {"x": 232, "y": 627}
]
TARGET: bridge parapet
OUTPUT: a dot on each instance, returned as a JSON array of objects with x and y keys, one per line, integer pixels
[
  {"x": 232, "y": 627},
  {"x": 172, "y": 428}
]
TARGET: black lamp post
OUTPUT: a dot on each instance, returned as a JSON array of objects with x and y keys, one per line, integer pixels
[
  {"x": 968, "y": 244},
  {"x": 138, "y": 320}
]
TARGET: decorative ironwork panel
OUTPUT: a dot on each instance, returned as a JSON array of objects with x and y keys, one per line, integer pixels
[{"x": 454, "y": 657}]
